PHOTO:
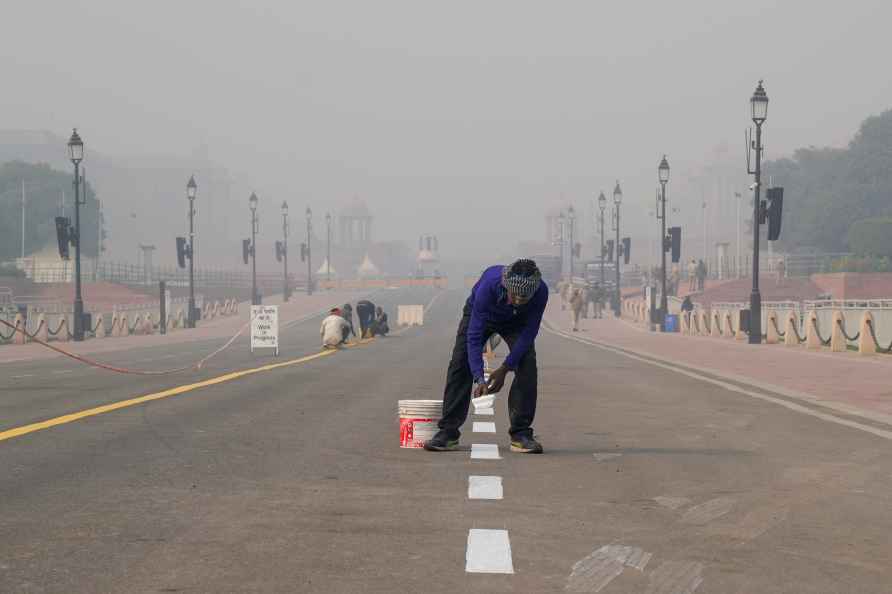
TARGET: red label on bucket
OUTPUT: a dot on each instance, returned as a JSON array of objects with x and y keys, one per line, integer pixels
[{"x": 414, "y": 432}]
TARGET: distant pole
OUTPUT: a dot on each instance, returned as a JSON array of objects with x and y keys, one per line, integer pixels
[
  {"x": 286, "y": 288},
  {"x": 759, "y": 105},
  {"x": 617, "y": 201},
  {"x": 663, "y": 171},
  {"x": 328, "y": 248},
  {"x": 739, "y": 268},
  {"x": 23, "y": 219},
  {"x": 309, "y": 254},
  {"x": 252, "y": 202},
  {"x": 191, "y": 189},
  {"x": 571, "y": 217},
  {"x": 602, "y": 204}
]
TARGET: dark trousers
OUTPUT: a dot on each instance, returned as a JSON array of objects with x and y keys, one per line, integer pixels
[
  {"x": 365, "y": 315},
  {"x": 459, "y": 382}
]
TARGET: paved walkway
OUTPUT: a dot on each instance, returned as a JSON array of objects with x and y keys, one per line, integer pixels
[
  {"x": 297, "y": 308},
  {"x": 846, "y": 382}
]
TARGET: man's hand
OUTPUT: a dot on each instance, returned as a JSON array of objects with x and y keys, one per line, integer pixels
[
  {"x": 479, "y": 389},
  {"x": 497, "y": 380}
]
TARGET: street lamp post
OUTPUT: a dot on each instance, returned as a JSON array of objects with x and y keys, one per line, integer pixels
[
  {"x": 739, "y": 268},
  {"x": 562, "y": 221},
  {"x": 191, "y": 189},
  {"x": 76, "y": 153},
  {"x": 759, "y": 106},
  {"x": 664, "y": 301},
  {"x": 309, "y": 258},
  {"x": 617, "y": 201},
  {"x": 571, "y": 218},
  {"x": 328, "y": 248},
  {"x": 252, "y": 202},
  {"x": 285, "y": 289},
  {"x": 602, "y": 204}
]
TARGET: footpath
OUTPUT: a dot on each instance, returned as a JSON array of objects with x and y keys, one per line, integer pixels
[
  {"x": 300, "y": 307},
  {"x": 848, "y": 383}
]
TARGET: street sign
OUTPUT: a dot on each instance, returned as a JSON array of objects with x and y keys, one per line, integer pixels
[{"x": 265, "y": 327}]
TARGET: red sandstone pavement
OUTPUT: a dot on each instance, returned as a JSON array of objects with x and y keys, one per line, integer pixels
[
  {"x": 846, "y": 382},
  {"x": 298, "y": 307}
]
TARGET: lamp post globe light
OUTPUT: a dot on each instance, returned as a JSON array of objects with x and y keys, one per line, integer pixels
[
  {"x": 76, "y": 154},
  {"x": 663, "y": 175},
  {"x": 328, "y": 248},
  {"x": 617, "y": 202},
  {"x": 571, "y": 218},
  {"x": 286, "y": 292},
  {"x": 602, "y": 204},
  {"x": 309, "y": 214},
  {"x": 759, "y": 112},
  {"x": 191, "y": 190},
  {"x": 252, "y": 204}
]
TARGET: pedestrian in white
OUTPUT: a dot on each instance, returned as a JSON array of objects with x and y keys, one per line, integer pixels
[{"x": 335, "y": 330}]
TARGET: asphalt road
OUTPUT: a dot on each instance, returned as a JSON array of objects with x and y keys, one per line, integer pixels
[{"x": 291, "y": 480}]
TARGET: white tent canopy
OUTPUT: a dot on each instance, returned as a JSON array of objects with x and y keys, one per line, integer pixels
[
  {"x": 324, "y": 269},
  {"x": 368, "y": 268}
]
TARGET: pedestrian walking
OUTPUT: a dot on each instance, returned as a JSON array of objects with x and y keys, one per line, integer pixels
[
  {"x": 701, "y": 275},
  {"x": 508, "y": 301},
  {"x": 692, "y": 275},
  {"x": 781, "y": 271},
  {"x": 577, "y": 302},
  {"x": 365, "y": 311}
]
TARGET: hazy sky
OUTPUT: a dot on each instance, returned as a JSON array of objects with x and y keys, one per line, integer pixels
[{"x": 465, "y": 119}]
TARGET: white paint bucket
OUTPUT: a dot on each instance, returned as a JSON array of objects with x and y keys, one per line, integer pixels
[{"x": 418, "y": 421}]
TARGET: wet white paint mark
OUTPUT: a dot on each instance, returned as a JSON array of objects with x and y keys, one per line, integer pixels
[
  {"x": 672, "y": 502},
  {"x": 484, "y": 487},
  {"x": 489, "y": 551},
  {"x": 486, "y": 412},
  {"x": 594, "y": 572},
  {"x": 484, "y": 427},
  {"x": 602, "y": 456},
  {"x": 709, "y": 511},
  {"x": 485, "y": 451},
  {"x": 64, "y": 371},
  {"x": 23, "y": 375},
  {"x": 675, "y": 577}
]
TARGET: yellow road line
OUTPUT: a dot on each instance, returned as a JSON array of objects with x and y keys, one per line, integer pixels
[{"x": 92, "y": 412}]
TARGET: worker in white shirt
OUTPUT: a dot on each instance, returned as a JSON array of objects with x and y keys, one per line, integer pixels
[{"x": 335, "y": 330}]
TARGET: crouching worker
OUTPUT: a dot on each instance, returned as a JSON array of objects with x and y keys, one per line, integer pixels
[
  {"x": 508, "y": 301},
  {"x": 335, "y": 330},
  {"x": 379, "y": 325}
]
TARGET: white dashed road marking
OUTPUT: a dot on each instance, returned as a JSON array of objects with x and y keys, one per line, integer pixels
[
  {"x": 489, "y": 551},
  {"x": 484, "y": 487},
  {"x": 484, "y": 427},
  {"x": 485, "y": 451}
]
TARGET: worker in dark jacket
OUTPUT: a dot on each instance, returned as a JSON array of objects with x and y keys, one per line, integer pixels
[
  {"x": 365, "y": 311},
  {"x": 347, "y": 314},
  {"x": 379, "y": 326},
  {"x": 508, "y": 301}
]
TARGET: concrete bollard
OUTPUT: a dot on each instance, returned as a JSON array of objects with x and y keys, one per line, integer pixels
[
  {"x": 19, "y": 337},
  {"x": 771, "y": 335},
  {"x": 716, "y": 325},
  {"x": 790, "y": 338},
  {"x": 837, "y": 340},
  {"x": 812, "y": 340},
  {"x": 866, "y": 344},
  {"x": 729, "y": 326},
  {"x": 62, "y": 335},
  {"x": 125, "y": 325},
  {"x": 741, "y": 334},
  {"x": 100, "y": 326},
  {"x": 704, "y": 323},
  {"x": 42, "y": 332},
  {"x": 148, "y": 325}
]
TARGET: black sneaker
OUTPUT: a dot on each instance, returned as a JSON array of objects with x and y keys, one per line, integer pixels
[
  {"x": 525, "y": 444},
  {"x": 441, "y": 442}
]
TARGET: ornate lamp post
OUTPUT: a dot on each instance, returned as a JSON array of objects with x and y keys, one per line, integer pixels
[
  {"x": 309, "y": 259},
  {"x": 286, "y": 291},
  {"x": 252, "y": 203},
  {"x": 617, "y": 201},
  {"x": 602, "y": 204},
  {"x": 328, "y": 248},
  {"x": 571, "y": 218},
  {"x": 191, "y": 189},
  {"x": 76, "y": 153},
  {"x": 663, "y": 171},
  {"x": 759, "y": 107}
]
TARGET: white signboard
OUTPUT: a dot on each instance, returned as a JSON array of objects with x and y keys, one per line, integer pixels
[{"x": 265, "y": 327}]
